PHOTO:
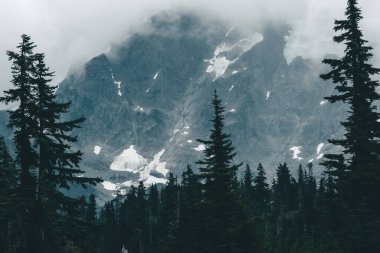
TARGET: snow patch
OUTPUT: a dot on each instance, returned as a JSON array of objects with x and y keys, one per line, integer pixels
[
  {"x": 187, "y": 127},
  {"x": 175, "y": 131},
  {"x": 200, "y": 147},
  {"x": 232, "y": 110},
  {"x": 139, "y": 108},
  {"x": 320, "y": 156},
  {"x": 109, "y": 186},
  {"x": 218, "y": 66},
  {"x": 118, "y": 84},
  {"x": 129, "y": 160},
  {"x": 311, "y": 160},
  {"x": 219, "y": 63},
  {"x": 319, "y": 147},
  {"x": 323, "y": 102},
  {"x": 230, "y": 89},
  {"x": 296, "y": 151},
  {"x": 268, "y": 95},
  {"x": 229, "y": 31},
  {"x": 155, "y": 76},
  {"x": 157, "y": 166},
  {"x": 189, "y": 141},
  {"x": 97, "y": 150},
  {"x": 185, "y": 133},
  {"x": 235, "y": 72}
]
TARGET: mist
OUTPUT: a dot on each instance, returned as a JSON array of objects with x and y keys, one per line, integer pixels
[{"x": 72, "y": 31}]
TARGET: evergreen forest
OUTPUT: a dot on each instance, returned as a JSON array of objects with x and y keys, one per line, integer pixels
[{"x": 209, "y": 208}]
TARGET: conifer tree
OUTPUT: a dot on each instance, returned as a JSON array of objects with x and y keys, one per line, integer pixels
[
  {"x": 91, "y": 210},
  {"x": 261, "y": 191},
  {"x": 189, "y": 219},
  {"x": 222, "y": 208},
  {"x": 23, "y": 125},
  {"x": 357, "y": 169},
  {"x": 153, "y": 203},
  {"x": 247, "y": 187},
  {"x": 8, "y": 182}
]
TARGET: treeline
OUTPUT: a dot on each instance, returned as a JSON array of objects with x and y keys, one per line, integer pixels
[
  {"x": 209, "y": 209},
  {"x": 292, "y": 215}
]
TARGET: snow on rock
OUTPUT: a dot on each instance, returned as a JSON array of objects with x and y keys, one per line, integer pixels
[
  {"x": 155, "y": 76},
  {"x": 187, "y": 127},
  {"x": 268, "y": 95},
  {"x": 109, "y": 186},
  {"x": 157, "y": 166},
  {"x": 185, "y": 133},
  {"x": 219, "y": 63},
  {"x": 139, "y": 108},
  {"x": 229, "y": 31},
  {"x": 97, "y": 150},
  {"x": 151, "y": 180},
  {"x": 128, "y": 183},
  {"x": 175, "y": 131},
  {"x": 128, "y": 160},
  {"x": 323, "y": 102},
  {"x": 200, "y": 147},
  {"x": 320, "y": 156},
  {"x": 311, "y": 160},
  {"x": 319, "y": 147},
  {"x": 296, "y": 151},
  {"x": 218, "y": 66},
  {"x": 118, "y": 84}
]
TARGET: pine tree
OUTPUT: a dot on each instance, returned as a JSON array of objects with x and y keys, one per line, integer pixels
[
  {"x": 357, "y": 169},
  {"x": 168, "y": 216},
  {"x": 247, "y": 188},
  {"x": 261, "y": 191},
  {"x": 91, "y": 210},
  {"x": 43, "y": 148},
  {"x": 222, "y": 208},
  {"x": 153, "y": 203},
  {"x": 23, "y": 125},
  {"x": 8, "y": 182},
  {"x": 189, "y": 216}
]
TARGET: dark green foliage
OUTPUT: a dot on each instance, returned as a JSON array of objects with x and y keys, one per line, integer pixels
[
  {"x": 46, "y": 219},
  {"x": 261, "y": 191},
  {"x": 355, "y": 170},
  {"x": 221, "y": 207},
  {"x": 358, "y": 166},
  {"x": 8, "y": 182}
]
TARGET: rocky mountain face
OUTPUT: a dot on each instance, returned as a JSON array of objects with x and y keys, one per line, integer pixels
[{"x": 148, "y": 100}]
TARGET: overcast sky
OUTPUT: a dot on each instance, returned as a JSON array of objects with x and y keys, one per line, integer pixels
[{"x": 70, "y": 32}]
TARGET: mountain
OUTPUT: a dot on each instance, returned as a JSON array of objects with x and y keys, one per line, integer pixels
[{"x": 148, "y": 100}]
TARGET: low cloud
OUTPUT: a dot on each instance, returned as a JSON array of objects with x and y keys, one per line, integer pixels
[{"x": 72, "y": 31}]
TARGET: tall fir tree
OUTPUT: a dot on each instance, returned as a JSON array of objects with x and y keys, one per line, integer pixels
[
  {"x": 189, "y": 216},
  {"x": 8, "y": 182},
  {"x": 222, "y": 207},
  {"x": 19, "y": 119},
  {"x": 261, "y": 191},
  {"x": 358, "y": 167},
  {"x": 43, "y": 149}
]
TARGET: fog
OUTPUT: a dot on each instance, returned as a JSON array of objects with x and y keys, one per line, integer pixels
[{"x": 70, "y": 32}]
